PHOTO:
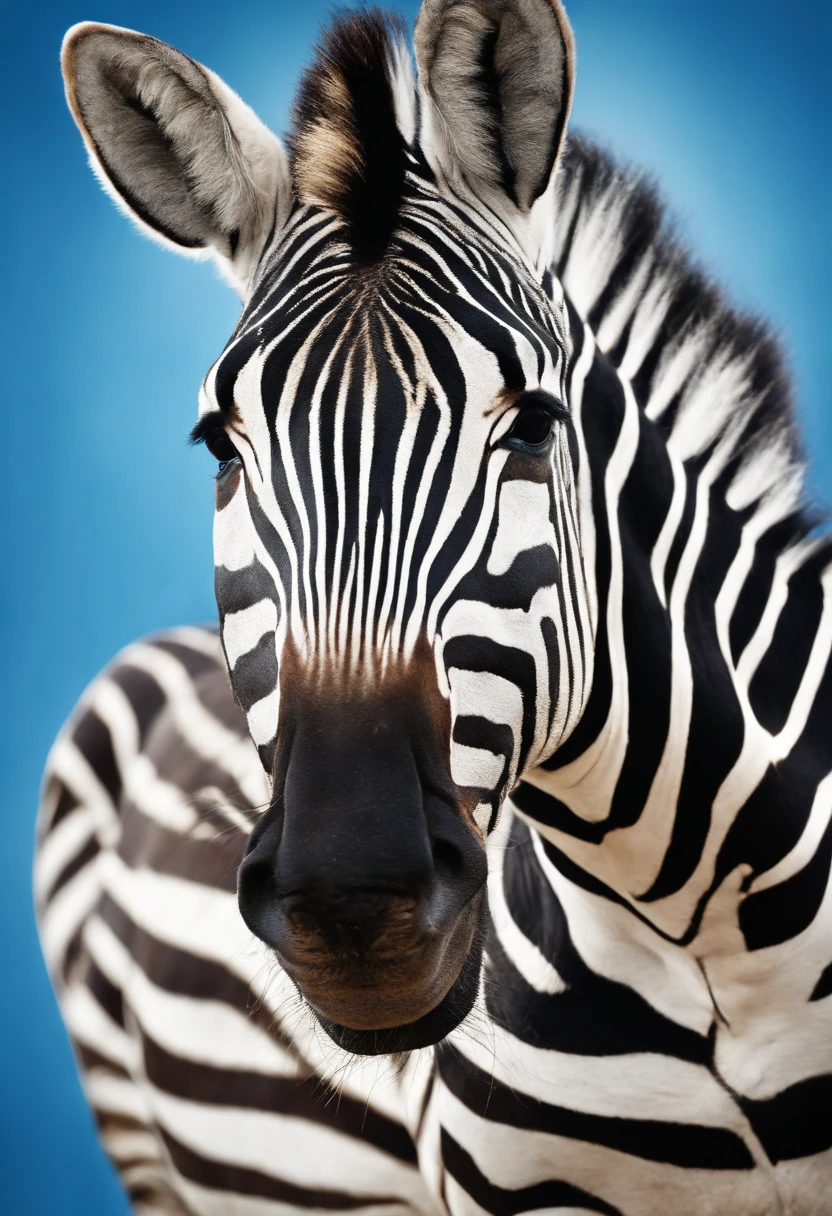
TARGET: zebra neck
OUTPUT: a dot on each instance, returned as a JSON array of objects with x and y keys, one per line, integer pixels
[{"x": 649, "y": 802}]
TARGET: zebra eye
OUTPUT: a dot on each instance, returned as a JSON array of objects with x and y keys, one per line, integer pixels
[
  {"x": 533, "y": 428},
  {"x": 220, "y": 447}
]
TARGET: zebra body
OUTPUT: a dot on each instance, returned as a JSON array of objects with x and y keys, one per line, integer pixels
[
  {"x": 613, "y": 1082},
  {"x": 592, "y": 592}
]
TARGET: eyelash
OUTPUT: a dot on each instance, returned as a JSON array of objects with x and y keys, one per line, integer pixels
[{"x": 210, "y": 430}]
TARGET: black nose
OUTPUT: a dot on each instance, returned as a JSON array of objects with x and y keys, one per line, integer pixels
[
  {"x": 348, "y": 816},
  {"x": 356, "y": 846}
]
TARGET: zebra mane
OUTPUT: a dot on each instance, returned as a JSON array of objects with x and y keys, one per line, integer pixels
[
  {"x": 709, "y": 375},
  {"x": 348, "y": 151}
]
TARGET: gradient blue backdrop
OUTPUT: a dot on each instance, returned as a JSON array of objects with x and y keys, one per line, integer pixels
[{"x": 108, "y": 514}]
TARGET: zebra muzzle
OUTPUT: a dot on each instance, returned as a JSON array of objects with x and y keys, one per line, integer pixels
[{"x": 368, "y": 883}]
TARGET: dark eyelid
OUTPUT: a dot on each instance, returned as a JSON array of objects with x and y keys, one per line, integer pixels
[
  {"x": 206, "y": 425},
  {"x": 541, "y": 399}
]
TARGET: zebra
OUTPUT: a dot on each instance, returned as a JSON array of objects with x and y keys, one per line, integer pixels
[{"x": 497, "y": 878}]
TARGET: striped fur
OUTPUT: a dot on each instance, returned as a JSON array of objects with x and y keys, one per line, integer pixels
[{"x": 632, "y": 642}]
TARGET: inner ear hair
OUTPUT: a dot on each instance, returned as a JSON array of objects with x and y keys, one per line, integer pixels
[
  {"x": 501, "y": 74},
  {"x": 157, "y": 127}
]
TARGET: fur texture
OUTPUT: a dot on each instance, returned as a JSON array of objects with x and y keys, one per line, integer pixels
[
  {"x": 173, "y": 144},
  {"x": 348, "y": 150},
  {"x": 708, "y": 374},
  {"x": 500, "y": 75}
]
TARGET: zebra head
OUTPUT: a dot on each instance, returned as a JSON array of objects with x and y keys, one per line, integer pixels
[{"x": 404, "y": 608}]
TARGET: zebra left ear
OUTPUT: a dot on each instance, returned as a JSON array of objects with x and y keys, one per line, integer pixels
[
  {"x": 178, "y": 150},
  {"x": 497, "y": 78}
]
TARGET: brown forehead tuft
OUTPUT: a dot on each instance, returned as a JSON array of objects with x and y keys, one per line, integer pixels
[{"x": 348, "y": 153}]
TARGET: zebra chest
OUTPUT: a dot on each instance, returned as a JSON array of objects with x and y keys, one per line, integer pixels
[
  {"x": 611, "y": 1113},
  {"x": 594, "y": 1083}
]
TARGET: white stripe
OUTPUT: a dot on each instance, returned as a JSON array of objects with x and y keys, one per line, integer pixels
[
  {"x": 241, "y": 631},
  {"x": 262, "y": 718},
  {"x": 66, "y": 913},
  {"x": 199, "y": 1029},
  {"x": 63, "y": 843},
  {"x": 475, "y": 766},
  {"x": 250, "y": 1138},
  {"x": 534, "y": 967},
  {"x": 522, "y": 523}
]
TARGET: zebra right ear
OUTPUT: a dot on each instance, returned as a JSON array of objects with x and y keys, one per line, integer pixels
[
  {"x": 175, "y": 147},
  {"x": 497, "y": 76}
]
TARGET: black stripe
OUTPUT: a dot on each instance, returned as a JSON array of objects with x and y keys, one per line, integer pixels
[
  {"x": 306, "y": 1098},
  {"x": 781, "y": 912},
  {"x": 195, "y": 662},
  {"x": 684, "y": 1144},
  {"x": 92, "y": 738},
  {"x": 144, "y": 843},
  {"x": 239, "y": 1180},
  {"x": 255, "y": 672},
  {"x": 105, "y": 992},
  {"x": 593, "y": 1017},
  {"x": 145, "y": 696},
  {"x": 90, "y": 850},
  {"x": 544, "y": 1196},
  {"x": 778, "y": 676},
  {"x": 191, "y": 975},
  {"x": 67, "y": 801},
  {"x": 823, "y": 987},
  {"x": 795, "y": 1123}
]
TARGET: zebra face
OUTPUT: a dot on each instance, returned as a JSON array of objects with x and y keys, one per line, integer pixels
[
  {"x": 396, "y": 479},
  {"x": 398, "y": 573},
  {"x": 395, "y": 531}
]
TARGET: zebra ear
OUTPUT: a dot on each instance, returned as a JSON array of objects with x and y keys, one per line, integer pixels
[
  {"x": 175, "y": 147},
  {"x": 497, "y": 77}
]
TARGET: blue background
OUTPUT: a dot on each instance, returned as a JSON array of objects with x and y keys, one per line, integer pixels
[{"x": 107, "y": 522}]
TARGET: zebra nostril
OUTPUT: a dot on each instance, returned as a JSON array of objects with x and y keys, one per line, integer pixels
[
  {"x": 447, "y": 858},
  {"x": 459, "y": 861},
  {"x": 256, "y": 878}
]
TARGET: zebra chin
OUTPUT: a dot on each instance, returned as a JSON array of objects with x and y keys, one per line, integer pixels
[
  {"x": 432, "y": 1026},
  {"x": 378, "y": 1001},
  {"x": 366, "y": 877}
]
